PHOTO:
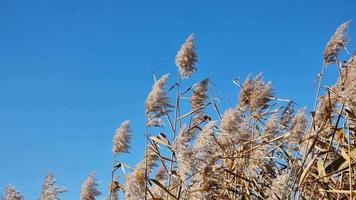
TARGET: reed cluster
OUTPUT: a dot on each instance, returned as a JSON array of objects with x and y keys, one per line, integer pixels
[{"x": 261, "y": 148}]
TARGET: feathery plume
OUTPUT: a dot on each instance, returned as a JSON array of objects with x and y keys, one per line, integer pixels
[
  {"x": 199, "y": 94},
  {"x": 182, "y": 153},
  {"x": 261, "y": 95},
  {"x": 186, "y": 58},
  {"x": 205, "y": 143},
  {"x": 245, "y": 93},
  {"x": 272, "y": 126},
  {"x": 233, "y": 129},
  {"x": 157, "y": 102},
  {"x": 255, "y": 94},
  {"x": 287, "y": 115},
  {"x": 135, "y": 183},
  {"x": 11, "y": 193},
  {"x": 325, "y": 108},
  {"x": 89, "y": 188},
  {"x": 50, "y": 190},
  {"x": 336, "y": 43},
  {"x": 197, "y": 100},
  {"x": 298, "y": 127},
  {"x": 122, "y": 138}
]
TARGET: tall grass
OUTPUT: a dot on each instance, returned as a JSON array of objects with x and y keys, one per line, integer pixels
[{"x": 262, "y": 148}]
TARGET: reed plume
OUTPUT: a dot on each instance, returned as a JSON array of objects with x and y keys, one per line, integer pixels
[
  {"x": 336, "y": 43},
  {"x": 157, "y": 103},
  {"x": 233, "y": 129},
  {"x": 255, "y": 94},
  {"x": 135, "y": 183},
  {"x": 186, "y": 58},
  {"x": 11, "y": 194},
  {"x": 89, "y": 188},
  {"x": 122, "y": 138},
  {"x": 50, "y": 191}
]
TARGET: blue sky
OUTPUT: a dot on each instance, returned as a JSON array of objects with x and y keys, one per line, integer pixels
[{"x": 71, "y": 71}]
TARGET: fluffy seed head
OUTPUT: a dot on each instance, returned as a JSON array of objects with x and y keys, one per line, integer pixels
[
  {"x": 183, "y": 153},
  {"x": 298, "y": 127},
  {"x": 233, "y": 129},
  {"x": 50, "y": 190},
  {"x": 89, "y": 188},
  {"x": 186, "y": 58},
  {"x": 11, "y": 193},
  {"x": 255, "y": 94},
  {"x": 336, "y": 43},
  {"x": 272, "y": 125},
  {"x": 199, "y": 94},
  {"x": 122, "y": 138},
  {"x": 157, "y": 102}
]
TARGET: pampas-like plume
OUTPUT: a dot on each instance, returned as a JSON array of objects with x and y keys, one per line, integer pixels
[
  {"x": 183, "y": 153},
  {"x": 122, "y": 138},
  {"x": 233, "y": 129},
  {"x": 186, "y": 58},
  {"x": 261, "y": 95},
  {"x": 11, "y": 193},
  {"x": 272, "y": 126},
  {"x": 135, "y": 183},
  {"x": 287, "y": 115},
  {"x": 336, "y": 43},
  {"x": 325, "y": 109},
  {"x": 157, "y": 102},
  {"x": 298, "y": 127},
  {"x": 50, "y": 190},
  {"x": 199, "y": 94},
  {"x": 89, "y": 188},
  {"x": 255, "y": 94},
  {"x": 205, "y": 144}
]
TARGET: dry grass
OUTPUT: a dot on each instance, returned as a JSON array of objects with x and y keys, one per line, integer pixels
[{"x": 259, "y": 149}]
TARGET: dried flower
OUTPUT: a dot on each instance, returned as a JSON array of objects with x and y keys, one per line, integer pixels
[
  {"x": 325, "y": 108},
  {"x": 287, "y": 115},
  {"x": 272, "y": 126},
  {"x": 122, "y": 138},
  {"x": 157, "y": 102},
  {"x": 135, "y": 183},
  {"x": 255, "y": 94},
  {"x": 183, "y": 153},
  {"x": 233, "y": 129},
  {"x": 89, "y": 188},
  {"x": 186, "y": 58},
  {"x": 50, "y": 191},
  {"x": 298, "y": 127},
  {"x": 206, "y": 141},
  {"x": 199, "y": 94},
  {"x": 336, "y": 43},
  {"x": 11, "y": 193}
]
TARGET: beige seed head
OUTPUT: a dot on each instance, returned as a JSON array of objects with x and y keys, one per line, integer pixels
[
  {"x": 186, "y": 58},
  {"x": 336, "y": 43},
  {"x": 11, "y": 193},
  {"x": 298, "y": 127},
  {"x": 50, "y": 190},
  {"x": 89, "y": 188},
  {"x": 122, "y": 138},
  {"x": 157, "y": 102}
]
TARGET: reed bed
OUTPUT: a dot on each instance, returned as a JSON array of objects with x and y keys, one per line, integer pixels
[{"x": 262, "y": 148}]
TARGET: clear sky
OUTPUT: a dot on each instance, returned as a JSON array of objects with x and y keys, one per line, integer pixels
[{"x": 71, "y": 71}]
